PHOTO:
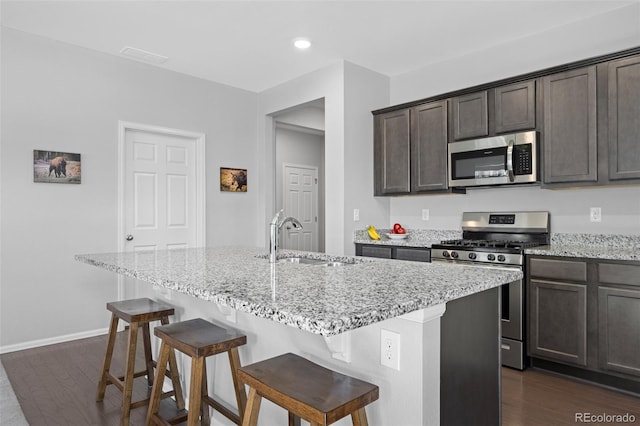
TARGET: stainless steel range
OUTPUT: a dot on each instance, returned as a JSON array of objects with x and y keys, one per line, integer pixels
[{"x": 498, "y": 240}]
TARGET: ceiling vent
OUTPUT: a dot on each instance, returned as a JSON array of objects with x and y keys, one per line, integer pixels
[{"x": 143, "y": 55}]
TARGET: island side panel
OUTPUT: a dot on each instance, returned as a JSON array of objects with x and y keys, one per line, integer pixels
[{"x": 470, "y": 360}]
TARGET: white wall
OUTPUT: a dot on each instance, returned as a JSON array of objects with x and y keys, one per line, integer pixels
[
  {"x": 608, "y": 33},
  {"x": 327, "y": 83},
  {"x": 64, "y": 98},
  {"x": 365, "y": 91}
]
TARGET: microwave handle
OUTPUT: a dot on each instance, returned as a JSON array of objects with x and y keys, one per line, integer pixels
[{"x": 510, "y": 160}]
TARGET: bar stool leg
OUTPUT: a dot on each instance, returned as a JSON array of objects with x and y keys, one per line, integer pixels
[
  {"x": 253, "y": 408},
  {"x": 173, "y": 373},
  {"x": 146, "y": 338},
  {"x": 156, "y": 390},
  {"x": 106, "y": 365},
  {"x": 293, "y": 419},
  {"x": 128, "y": 377},
  {"x": 205, "y": 392},
  {"x": 195, "y": 398},
  {"x": 241, "y": 394},
  {"x": 359, "y": 418}
]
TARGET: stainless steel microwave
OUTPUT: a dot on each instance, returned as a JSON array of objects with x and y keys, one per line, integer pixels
[{"x": 499, "y": 160}]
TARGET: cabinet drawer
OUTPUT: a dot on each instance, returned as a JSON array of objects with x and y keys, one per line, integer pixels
[
  {"x": 371, "y": 251},
  {"x": 558, "y": 269},
  {"x": 419, "y": 255},
  {"x": 613, "y": 273}
]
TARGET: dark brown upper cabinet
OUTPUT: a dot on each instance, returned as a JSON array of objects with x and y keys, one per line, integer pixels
[
  {"x": 429, "y": 147},
  {"x": 515, "y": 107},
  {"x": 624, "y": 118},
  {"x": 391, "y": 140},
  {"x": 470, "y": 117},
  {"x": 570, "y": 139},
  {"x": 504, "y": 109},
  {"x": 410, "y": 150}
]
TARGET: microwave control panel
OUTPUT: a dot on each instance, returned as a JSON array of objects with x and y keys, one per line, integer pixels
[{"x": 522, "y": 161}]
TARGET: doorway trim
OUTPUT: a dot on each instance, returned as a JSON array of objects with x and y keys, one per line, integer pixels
[{"x": 200, "y": 207}]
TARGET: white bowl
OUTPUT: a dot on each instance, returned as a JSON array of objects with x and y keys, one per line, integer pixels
[{"x": 397, "y": 236}]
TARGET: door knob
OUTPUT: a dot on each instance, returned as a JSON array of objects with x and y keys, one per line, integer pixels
[{"x": 129, "y": 237}]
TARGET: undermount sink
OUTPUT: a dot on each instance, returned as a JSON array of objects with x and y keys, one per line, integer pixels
[{"x": 308, "y": 261}]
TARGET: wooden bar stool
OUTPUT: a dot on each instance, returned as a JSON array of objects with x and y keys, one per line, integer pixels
[
  {"x": 307, "y": 390},
  {"x": 137, "y": 312},
  {"x": 198, "y": 339}
]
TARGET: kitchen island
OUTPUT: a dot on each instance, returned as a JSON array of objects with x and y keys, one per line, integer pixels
[{"x": 332, "y": 313}]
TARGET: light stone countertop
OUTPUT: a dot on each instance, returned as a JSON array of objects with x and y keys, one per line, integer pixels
[
  {"x": 315, "y": 298},
  {"x": 594, "y": 246},
  {"x": 421, "y": 238}
]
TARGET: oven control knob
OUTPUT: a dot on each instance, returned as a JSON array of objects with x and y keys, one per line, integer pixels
[
  {"x": 445, "y": 254},
  {"x": 501, "y": 258},
  {"x": 454, "y": 254},
  {"x": 491, "y": 257},
  {"x": 472, "y": 256}
]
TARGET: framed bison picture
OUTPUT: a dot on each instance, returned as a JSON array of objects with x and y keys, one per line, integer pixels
[
  {"x": 234, "y": 180},
  {"x": 56, "y": 167}
]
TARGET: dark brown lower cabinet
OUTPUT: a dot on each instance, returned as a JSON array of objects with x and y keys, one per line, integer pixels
[
  {"x": 584, "y": 318},
  {"x": 619, "y": 330},
  {"x": 417, "y": 254},
  {"x": 558, "y": 321}
]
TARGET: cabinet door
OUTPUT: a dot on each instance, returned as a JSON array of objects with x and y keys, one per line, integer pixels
[
  {"x": 470, "y": 117},
  {"x": 558, "y": 321},
  {"x": 415, "y": 254},
  {"x": 624, "y": 119},
  {"x": 391, "y": 152},
  {"x": 377, "y": 251},
  {"x": 570, "y": 144},
  {"x": 429, "y": 147},
  {"x": 619, "y": 330},
  {"x": 515, "y": 107}
]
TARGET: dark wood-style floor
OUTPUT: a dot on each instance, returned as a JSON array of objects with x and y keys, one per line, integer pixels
[{"x": 56, "y": 385}]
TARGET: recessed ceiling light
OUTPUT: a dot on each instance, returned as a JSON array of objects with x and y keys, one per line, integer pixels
[{"x": 302, "y": 43}]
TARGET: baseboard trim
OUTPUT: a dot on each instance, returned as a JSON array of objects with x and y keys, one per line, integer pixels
[{"x": 51, "y": 340}]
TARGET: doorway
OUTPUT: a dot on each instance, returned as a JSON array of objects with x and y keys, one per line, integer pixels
[
  {"x": 160, "y": 191},
  {"x": 299, "y": 144}
]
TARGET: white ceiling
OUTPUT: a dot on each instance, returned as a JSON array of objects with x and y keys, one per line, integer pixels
[{"x": 248, "y": 44}]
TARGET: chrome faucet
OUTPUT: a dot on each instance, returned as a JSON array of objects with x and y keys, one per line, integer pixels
[{"x": 274, "y": 226}]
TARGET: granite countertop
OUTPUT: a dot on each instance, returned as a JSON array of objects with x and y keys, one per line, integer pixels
[
  {"x": 423, "y": 238},
  {"x": 319, "y": 299},
  {"x": 594, "y": 246}
]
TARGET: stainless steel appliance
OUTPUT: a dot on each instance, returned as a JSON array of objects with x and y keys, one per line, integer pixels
[
  {"x": 500, "y": 160},
  {"x": 498, "y": 240}
]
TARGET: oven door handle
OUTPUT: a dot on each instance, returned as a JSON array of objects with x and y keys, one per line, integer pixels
[{"x": 510, "y": 161}]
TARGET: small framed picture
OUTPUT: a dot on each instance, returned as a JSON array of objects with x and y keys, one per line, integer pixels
[
  {"x": 56, "y": 167},
  {"x": 234, "y": 180}
]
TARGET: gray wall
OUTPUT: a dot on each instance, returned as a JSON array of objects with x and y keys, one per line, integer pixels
[
  {"x": 611, "y": 32},
  {"x": 301, "y": 148},
  {"x": 60, "y": 97}
]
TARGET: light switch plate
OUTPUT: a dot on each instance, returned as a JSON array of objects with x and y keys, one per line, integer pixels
[
  {"x": 425, "y": 214},
  {"x": 356, "y": 215}
]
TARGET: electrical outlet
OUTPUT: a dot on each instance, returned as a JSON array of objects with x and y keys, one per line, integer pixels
[
  {"x": 390, "y": 349},
  {"x": 356, "y": 215},
  {"x": 595, "y": 215},
  {"x": 425, "y": 214}
]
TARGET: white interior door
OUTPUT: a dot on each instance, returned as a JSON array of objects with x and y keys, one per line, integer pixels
[
  {"x": 300, "y": 196},
  {"x": 162, "y": 190}
]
